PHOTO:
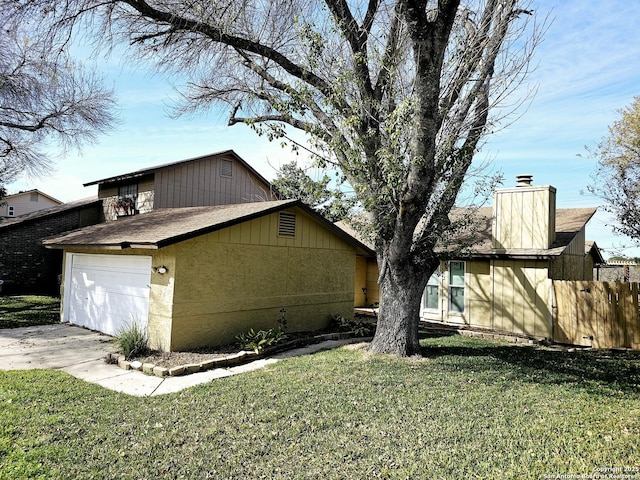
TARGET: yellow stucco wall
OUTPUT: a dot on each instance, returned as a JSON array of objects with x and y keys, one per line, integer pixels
[{"x": 238, "y": 278}]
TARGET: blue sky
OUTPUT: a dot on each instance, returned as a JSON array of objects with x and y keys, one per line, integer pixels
[{"x": 588, "y": 66}]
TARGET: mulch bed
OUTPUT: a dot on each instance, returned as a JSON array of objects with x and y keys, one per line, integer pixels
[{"x": 176, "y": 359}]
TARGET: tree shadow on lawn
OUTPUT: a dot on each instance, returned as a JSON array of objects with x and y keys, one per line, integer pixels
[{"x": 591, "y": 369}]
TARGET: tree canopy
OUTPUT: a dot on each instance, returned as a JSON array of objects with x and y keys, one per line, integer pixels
[
  {"x": 292, "y": 181},
  {"x": 44, "y": 96},
  {"x": 617, "y": 178},
  {"x": 397, "y": 95}
]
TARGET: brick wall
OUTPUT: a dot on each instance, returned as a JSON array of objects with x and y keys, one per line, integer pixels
[{"x": 25, "y": 265}]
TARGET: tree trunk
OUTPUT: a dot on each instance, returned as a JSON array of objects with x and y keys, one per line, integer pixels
[{"x": 401, "y": 292}]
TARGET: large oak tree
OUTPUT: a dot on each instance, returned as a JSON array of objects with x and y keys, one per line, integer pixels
[{"x": 395, "y": 94}]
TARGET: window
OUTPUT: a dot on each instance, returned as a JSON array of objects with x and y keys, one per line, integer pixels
[
  {"x": 226, "y": 168},
  {"x": 287, "y": 224},
  {"x": 456, "y": 286},
  {"x": 431, "y": 294},
  {"x": 127, "y": 197},
  {"x": 10, "y": 211},
  {"x": 34, "y": 196}
]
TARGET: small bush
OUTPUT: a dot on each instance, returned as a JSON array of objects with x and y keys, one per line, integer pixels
[
  {"x": 259, "y": 340},
  {"x": 359, "y": 329},
  {"x": 132, "y": 341}
]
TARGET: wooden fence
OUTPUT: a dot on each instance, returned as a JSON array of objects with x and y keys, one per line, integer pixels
[{"x": 597, "y": 314}]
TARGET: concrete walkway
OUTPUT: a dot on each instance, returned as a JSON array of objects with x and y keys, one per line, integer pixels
[{"x": 81, "y": 353}]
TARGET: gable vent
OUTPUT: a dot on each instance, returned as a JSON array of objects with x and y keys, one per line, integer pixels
[
  {"x": 226, "y": 168},
  {"x": 287, "y": 224}
]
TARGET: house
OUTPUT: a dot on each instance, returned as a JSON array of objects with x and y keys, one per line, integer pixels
[
  {"x": 22, "y": 203},
  {"x": 618, "y": 271},
  {"x": 198, "y": 276},
  {"x": 25, "y": 265},
  {"x": 504, "y": 279},
  {"x": 216, "y": 179}
]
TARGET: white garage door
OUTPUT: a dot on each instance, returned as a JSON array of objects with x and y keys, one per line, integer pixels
[{"x": 107, "y": 292}]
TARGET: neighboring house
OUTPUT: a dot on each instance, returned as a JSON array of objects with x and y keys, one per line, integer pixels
[
  {"x": 504, "y": 282},
  {"x": 25, "y": 265},
  {"x": 198, "y": 276},
  {"x": 217, "y": 179},
  {"x": 22, "y": 203},
  {"x": 618, "y": 271}
]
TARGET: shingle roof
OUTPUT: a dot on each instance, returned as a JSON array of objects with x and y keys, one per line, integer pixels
[
  {"x": 569, "y": 221},
  {"x": 46, "y": 212},
  {"x": 166, "y": 226}
]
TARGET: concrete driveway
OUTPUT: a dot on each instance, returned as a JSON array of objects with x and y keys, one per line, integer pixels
[{"x": 57, "y": 346}]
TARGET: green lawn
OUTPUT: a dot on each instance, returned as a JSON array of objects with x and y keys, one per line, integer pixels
[
  {"x": 469, "y": 409},
  {"x": 26, "y": 311}
]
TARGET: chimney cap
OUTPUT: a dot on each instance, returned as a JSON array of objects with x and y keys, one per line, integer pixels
[{"x": 524, "y": 180}]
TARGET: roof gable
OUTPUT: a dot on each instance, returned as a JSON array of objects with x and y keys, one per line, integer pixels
[
  {"x": 29, "y": 192},
  {"x": 167, "y": 226},
  {"x": 148, "y": 171}
]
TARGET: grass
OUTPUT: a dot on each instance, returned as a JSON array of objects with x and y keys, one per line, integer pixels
[
  {"x": 28, "y": 310},
  {"x": 468, "y": 409}
]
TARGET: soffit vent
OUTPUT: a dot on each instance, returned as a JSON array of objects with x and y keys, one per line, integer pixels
[
  {"x": 226, "y": 168},
  {"x": 287, "y": 224}
]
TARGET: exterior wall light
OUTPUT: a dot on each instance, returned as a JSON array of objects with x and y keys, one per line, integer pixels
[{"x": 161, "y": 269}]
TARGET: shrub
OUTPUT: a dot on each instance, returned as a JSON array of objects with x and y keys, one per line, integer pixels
[
  {"x": 132, "y": 340},
  {"x": 259, "y": 340},
  {"x": 359, "y": 329}
]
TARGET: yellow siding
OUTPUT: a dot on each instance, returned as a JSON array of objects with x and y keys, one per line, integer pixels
[
  {"x": 373, "y": 289},
  {"x": 360, "y": 285},
  {"x": 478, "y": 293},
  {"x": 524, "y": 217},
  {"x": 521, "y": 297},
  {"x": 240, "y": 277},
  {"x": 573, "y": 264}
]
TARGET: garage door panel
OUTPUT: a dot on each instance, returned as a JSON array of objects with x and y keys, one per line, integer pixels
[{"x": 108, "y": 292}]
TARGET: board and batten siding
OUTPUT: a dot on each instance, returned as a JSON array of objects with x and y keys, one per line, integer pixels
[
  {"x": 522, "y": 296},
  {"x": 503, "y": 295},
  {"x": 573, "y": 264},
  {"x": 238, "y": 278},
  {"x": 524, "y": 217},
  {"x": 207, "y": 182}
]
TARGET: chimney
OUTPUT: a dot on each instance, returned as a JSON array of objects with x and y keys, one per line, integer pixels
[
  {"x": 524, "y": 180},
  {"x": 524, "y": 216}
]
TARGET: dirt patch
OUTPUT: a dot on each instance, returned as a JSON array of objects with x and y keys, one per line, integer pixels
[{"x": 175, "y": 359}]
